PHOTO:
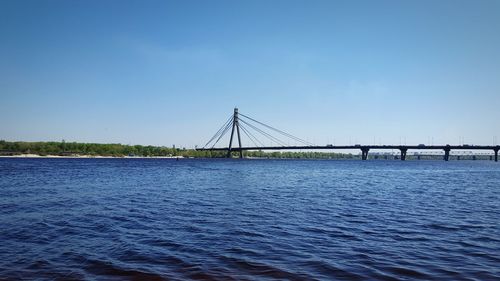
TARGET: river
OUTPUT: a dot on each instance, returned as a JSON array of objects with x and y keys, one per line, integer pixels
[{"x": 193, "y": 219}]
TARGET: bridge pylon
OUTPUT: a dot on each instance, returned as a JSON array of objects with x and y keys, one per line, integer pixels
[{"x": 236, "y": 125}]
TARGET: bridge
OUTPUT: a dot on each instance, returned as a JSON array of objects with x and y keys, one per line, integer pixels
[{"x": 239, "y": 122}]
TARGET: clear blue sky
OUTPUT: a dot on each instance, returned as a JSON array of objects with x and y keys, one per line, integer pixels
[{"x": 170, "y": 72}]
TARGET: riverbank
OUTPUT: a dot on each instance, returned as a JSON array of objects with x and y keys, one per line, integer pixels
[
  {"x": 84, "y": 156},
  {"x": 100, "y": 150}
]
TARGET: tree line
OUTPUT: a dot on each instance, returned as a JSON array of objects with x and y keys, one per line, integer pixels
[{"x": 120, "y": 150}]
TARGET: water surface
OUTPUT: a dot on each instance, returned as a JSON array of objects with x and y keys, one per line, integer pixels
[{"x": 161, "y": 219}]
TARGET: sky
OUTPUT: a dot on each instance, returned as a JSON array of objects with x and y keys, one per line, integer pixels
[{"x": 171, "y": 72}]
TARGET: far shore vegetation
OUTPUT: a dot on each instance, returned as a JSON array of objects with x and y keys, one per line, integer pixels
[{"x": 8, "y": 148}]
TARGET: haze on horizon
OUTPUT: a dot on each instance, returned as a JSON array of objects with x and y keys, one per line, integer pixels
[{"x": 171, "y": 72}]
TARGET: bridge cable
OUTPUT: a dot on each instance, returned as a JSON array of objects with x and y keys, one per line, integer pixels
[
  {"x": 269, "y": 136},
  {"x": 266, "y": 134},
  {"x": 250, "y": 136},
  {"x": 219, "y": 131},
  {"x": 297, "y": 139},
  {"x": 245, "y": 132},
  {"x": 275, "y": 139},
  {"x": 226, "y": 129},
  {"x": 254, "y": 137},
  {"x": 279, "y": 131}
]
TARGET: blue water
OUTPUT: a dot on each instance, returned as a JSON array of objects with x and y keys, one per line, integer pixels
[{"x": 161, "y": 219}]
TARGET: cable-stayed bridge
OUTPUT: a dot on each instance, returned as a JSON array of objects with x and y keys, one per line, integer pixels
[{"x": 255, "y": 131}]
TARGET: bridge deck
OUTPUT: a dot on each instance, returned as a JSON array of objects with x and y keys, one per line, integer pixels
[
  {"x": 362, "y": 147},
  {"x": 365, "y": 148}
]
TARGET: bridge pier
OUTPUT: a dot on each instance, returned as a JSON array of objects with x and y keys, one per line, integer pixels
[
  {"x": 496, "y": 153},
  {"x": 447, "y": 152},
  {"x": 236, "y": 125},
  {"x": 403, "y": 153},
  {"x": 364, "y": 153}
]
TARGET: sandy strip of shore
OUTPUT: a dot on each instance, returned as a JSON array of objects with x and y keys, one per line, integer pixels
[{"x": 85, "y": 156}]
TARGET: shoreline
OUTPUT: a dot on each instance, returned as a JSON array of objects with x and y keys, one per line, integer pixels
[
  {"x": 76, "y": 156},
  {"x": 87, "y": 156}
]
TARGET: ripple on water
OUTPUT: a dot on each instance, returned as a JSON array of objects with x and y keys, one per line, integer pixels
[{"x": 157, "y": 219}]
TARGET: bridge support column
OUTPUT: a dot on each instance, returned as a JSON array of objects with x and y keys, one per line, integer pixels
[
  {"x": 236, "y": 125},
  {"x": 364, "y": 153},
  {"x": 447, "y": 153},
  {"x": 496, "y": 154},
  {"x": 403, "y": 153}
]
